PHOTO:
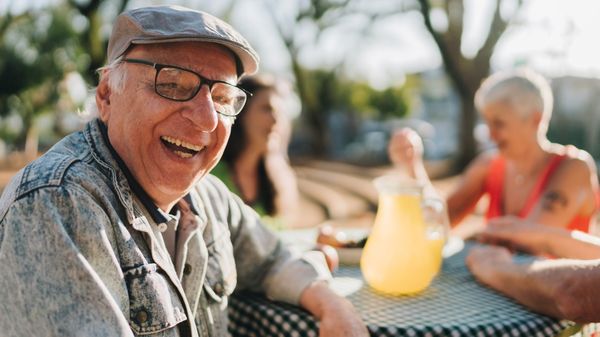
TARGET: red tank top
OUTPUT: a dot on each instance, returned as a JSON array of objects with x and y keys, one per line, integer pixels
[{"x": 494, "y": 187}]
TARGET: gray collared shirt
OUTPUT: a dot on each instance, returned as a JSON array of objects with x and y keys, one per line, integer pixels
[{"x": 80, "y": 255}]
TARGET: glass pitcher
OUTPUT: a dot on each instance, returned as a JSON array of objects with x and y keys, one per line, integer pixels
[{"x": 404, "y": 250}]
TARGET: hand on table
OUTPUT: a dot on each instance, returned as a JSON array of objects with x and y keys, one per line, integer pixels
[
  {"x": 485, "y": 261},
  {"x": 331, "y": 256},
  {"x": 340, "y": 319},
  {"x": 516, "y": 234},
  {"x": 336, "y": 315}
]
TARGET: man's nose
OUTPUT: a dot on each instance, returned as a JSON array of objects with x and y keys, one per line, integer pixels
[{"x": 201, "y": 111}]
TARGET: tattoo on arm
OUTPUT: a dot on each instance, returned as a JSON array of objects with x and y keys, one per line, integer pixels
[{"x": 554, "y": 201}]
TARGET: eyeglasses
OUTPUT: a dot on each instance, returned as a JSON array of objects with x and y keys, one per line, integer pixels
[{"x": 180, "y": 84}]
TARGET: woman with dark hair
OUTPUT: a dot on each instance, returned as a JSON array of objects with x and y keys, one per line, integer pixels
[{"x": 255, "y": 165}]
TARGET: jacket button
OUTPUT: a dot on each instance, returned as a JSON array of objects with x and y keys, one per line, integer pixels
[
  {"x": 141, "y": 316},
  {"x": 162, "y": 227},
  {"x": 187, "y": 269},
  {"x": 218, "y": 288}
]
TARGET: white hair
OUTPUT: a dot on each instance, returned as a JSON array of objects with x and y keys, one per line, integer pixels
[
  {"x": 523, "y": 89},
  {"x": 116, "y": 74}
]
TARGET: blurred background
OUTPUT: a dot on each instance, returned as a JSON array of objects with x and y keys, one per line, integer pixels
[{"x": 358, "y": 68}]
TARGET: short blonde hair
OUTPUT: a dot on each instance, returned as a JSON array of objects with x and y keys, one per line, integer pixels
[{"x": 523, "y": 89}]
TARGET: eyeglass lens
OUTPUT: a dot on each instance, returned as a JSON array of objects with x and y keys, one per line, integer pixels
[{"x": 182, "y": 85}]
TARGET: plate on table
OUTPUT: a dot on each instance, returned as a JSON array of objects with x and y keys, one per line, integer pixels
[{"x": 351, "y": 256}]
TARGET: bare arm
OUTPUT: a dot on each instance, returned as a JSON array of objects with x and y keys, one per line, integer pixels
[
  {"x": 563, "y": 289},
  {"x": 571, "y": 192},
  {"x": 405, "y": 150},
  {"x": 469, "y": 190},
  {"x": 523, "y": 235},
  {"x": 336, "y": 314}
]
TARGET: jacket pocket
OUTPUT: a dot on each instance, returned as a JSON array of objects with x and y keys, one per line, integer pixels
[
  {"x": 154, "y": 303},
  {"x": 221, "y": 276}
]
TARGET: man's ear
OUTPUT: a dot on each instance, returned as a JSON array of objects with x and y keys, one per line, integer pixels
[{"x": 103, "y": 93}]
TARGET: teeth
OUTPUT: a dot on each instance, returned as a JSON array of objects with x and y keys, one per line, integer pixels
[
  {"x": 179, "y": 142},
  {"x": 183, "y": 154},
  {"x": 191, "y": 146}
]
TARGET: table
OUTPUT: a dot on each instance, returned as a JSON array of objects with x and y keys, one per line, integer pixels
[{"x": 454, "y": 305}]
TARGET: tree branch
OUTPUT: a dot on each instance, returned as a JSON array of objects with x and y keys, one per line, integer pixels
[
  {"x": 453, "y": 36},
  {"x": 497, "y": 28},
  {"x": 86, "y": 9},
  {"x": 451, "y": 64}
]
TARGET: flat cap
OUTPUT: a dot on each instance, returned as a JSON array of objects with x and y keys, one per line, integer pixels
[{"x": 162, "y": 24}]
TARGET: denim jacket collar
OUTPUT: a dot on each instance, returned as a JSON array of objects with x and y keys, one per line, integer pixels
[
  {"x": 112, "y": 158},
  {"x": 101, "y": 154}
]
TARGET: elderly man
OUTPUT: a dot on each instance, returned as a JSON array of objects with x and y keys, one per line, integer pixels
[{"x": 119, "y": 230}]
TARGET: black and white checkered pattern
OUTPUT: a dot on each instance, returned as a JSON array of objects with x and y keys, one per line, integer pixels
[{"x": 454, "y": 305}]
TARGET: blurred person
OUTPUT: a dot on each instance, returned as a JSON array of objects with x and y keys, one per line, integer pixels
[
  {"x": 528, "y": 177},
  {"x": 119, "y": 230},
  {"x": 255, "y": 163}
]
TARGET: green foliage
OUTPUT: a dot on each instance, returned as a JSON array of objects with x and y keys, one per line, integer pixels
[
  {"x": 335, "y": 93},
  {"x": 38, "y": 49},
  {"x": 390, "y": 103}
]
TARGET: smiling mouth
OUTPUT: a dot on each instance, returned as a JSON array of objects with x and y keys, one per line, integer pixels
[{"x": 180, "y": 148}]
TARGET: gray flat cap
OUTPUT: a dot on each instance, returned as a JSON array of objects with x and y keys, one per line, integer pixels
[{"x": 161, "y": 24}]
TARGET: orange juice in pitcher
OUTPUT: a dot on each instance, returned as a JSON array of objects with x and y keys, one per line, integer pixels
[{"x": 404, "y": 250}]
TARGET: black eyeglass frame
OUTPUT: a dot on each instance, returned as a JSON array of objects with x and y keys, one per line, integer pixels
[{"x": 203, "y": 81}]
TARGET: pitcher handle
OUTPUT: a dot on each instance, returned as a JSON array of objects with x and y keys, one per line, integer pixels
[{"x": 435, "y": 217}]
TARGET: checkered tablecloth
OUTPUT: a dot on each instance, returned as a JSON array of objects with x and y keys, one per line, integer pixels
[{"x": 454, "y": 305}]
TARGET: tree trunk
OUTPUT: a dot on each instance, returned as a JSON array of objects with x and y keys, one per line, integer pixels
[
  {"x": 466, "y": 74},
  {"x": 311, "y": 111},
  {"x": 467, "y": 142}
]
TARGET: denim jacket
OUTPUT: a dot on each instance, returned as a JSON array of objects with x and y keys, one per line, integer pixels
[{"x": 79, "y": 255}]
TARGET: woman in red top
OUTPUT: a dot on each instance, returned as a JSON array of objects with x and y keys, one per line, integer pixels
[{"x": 528, "y": 177}]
